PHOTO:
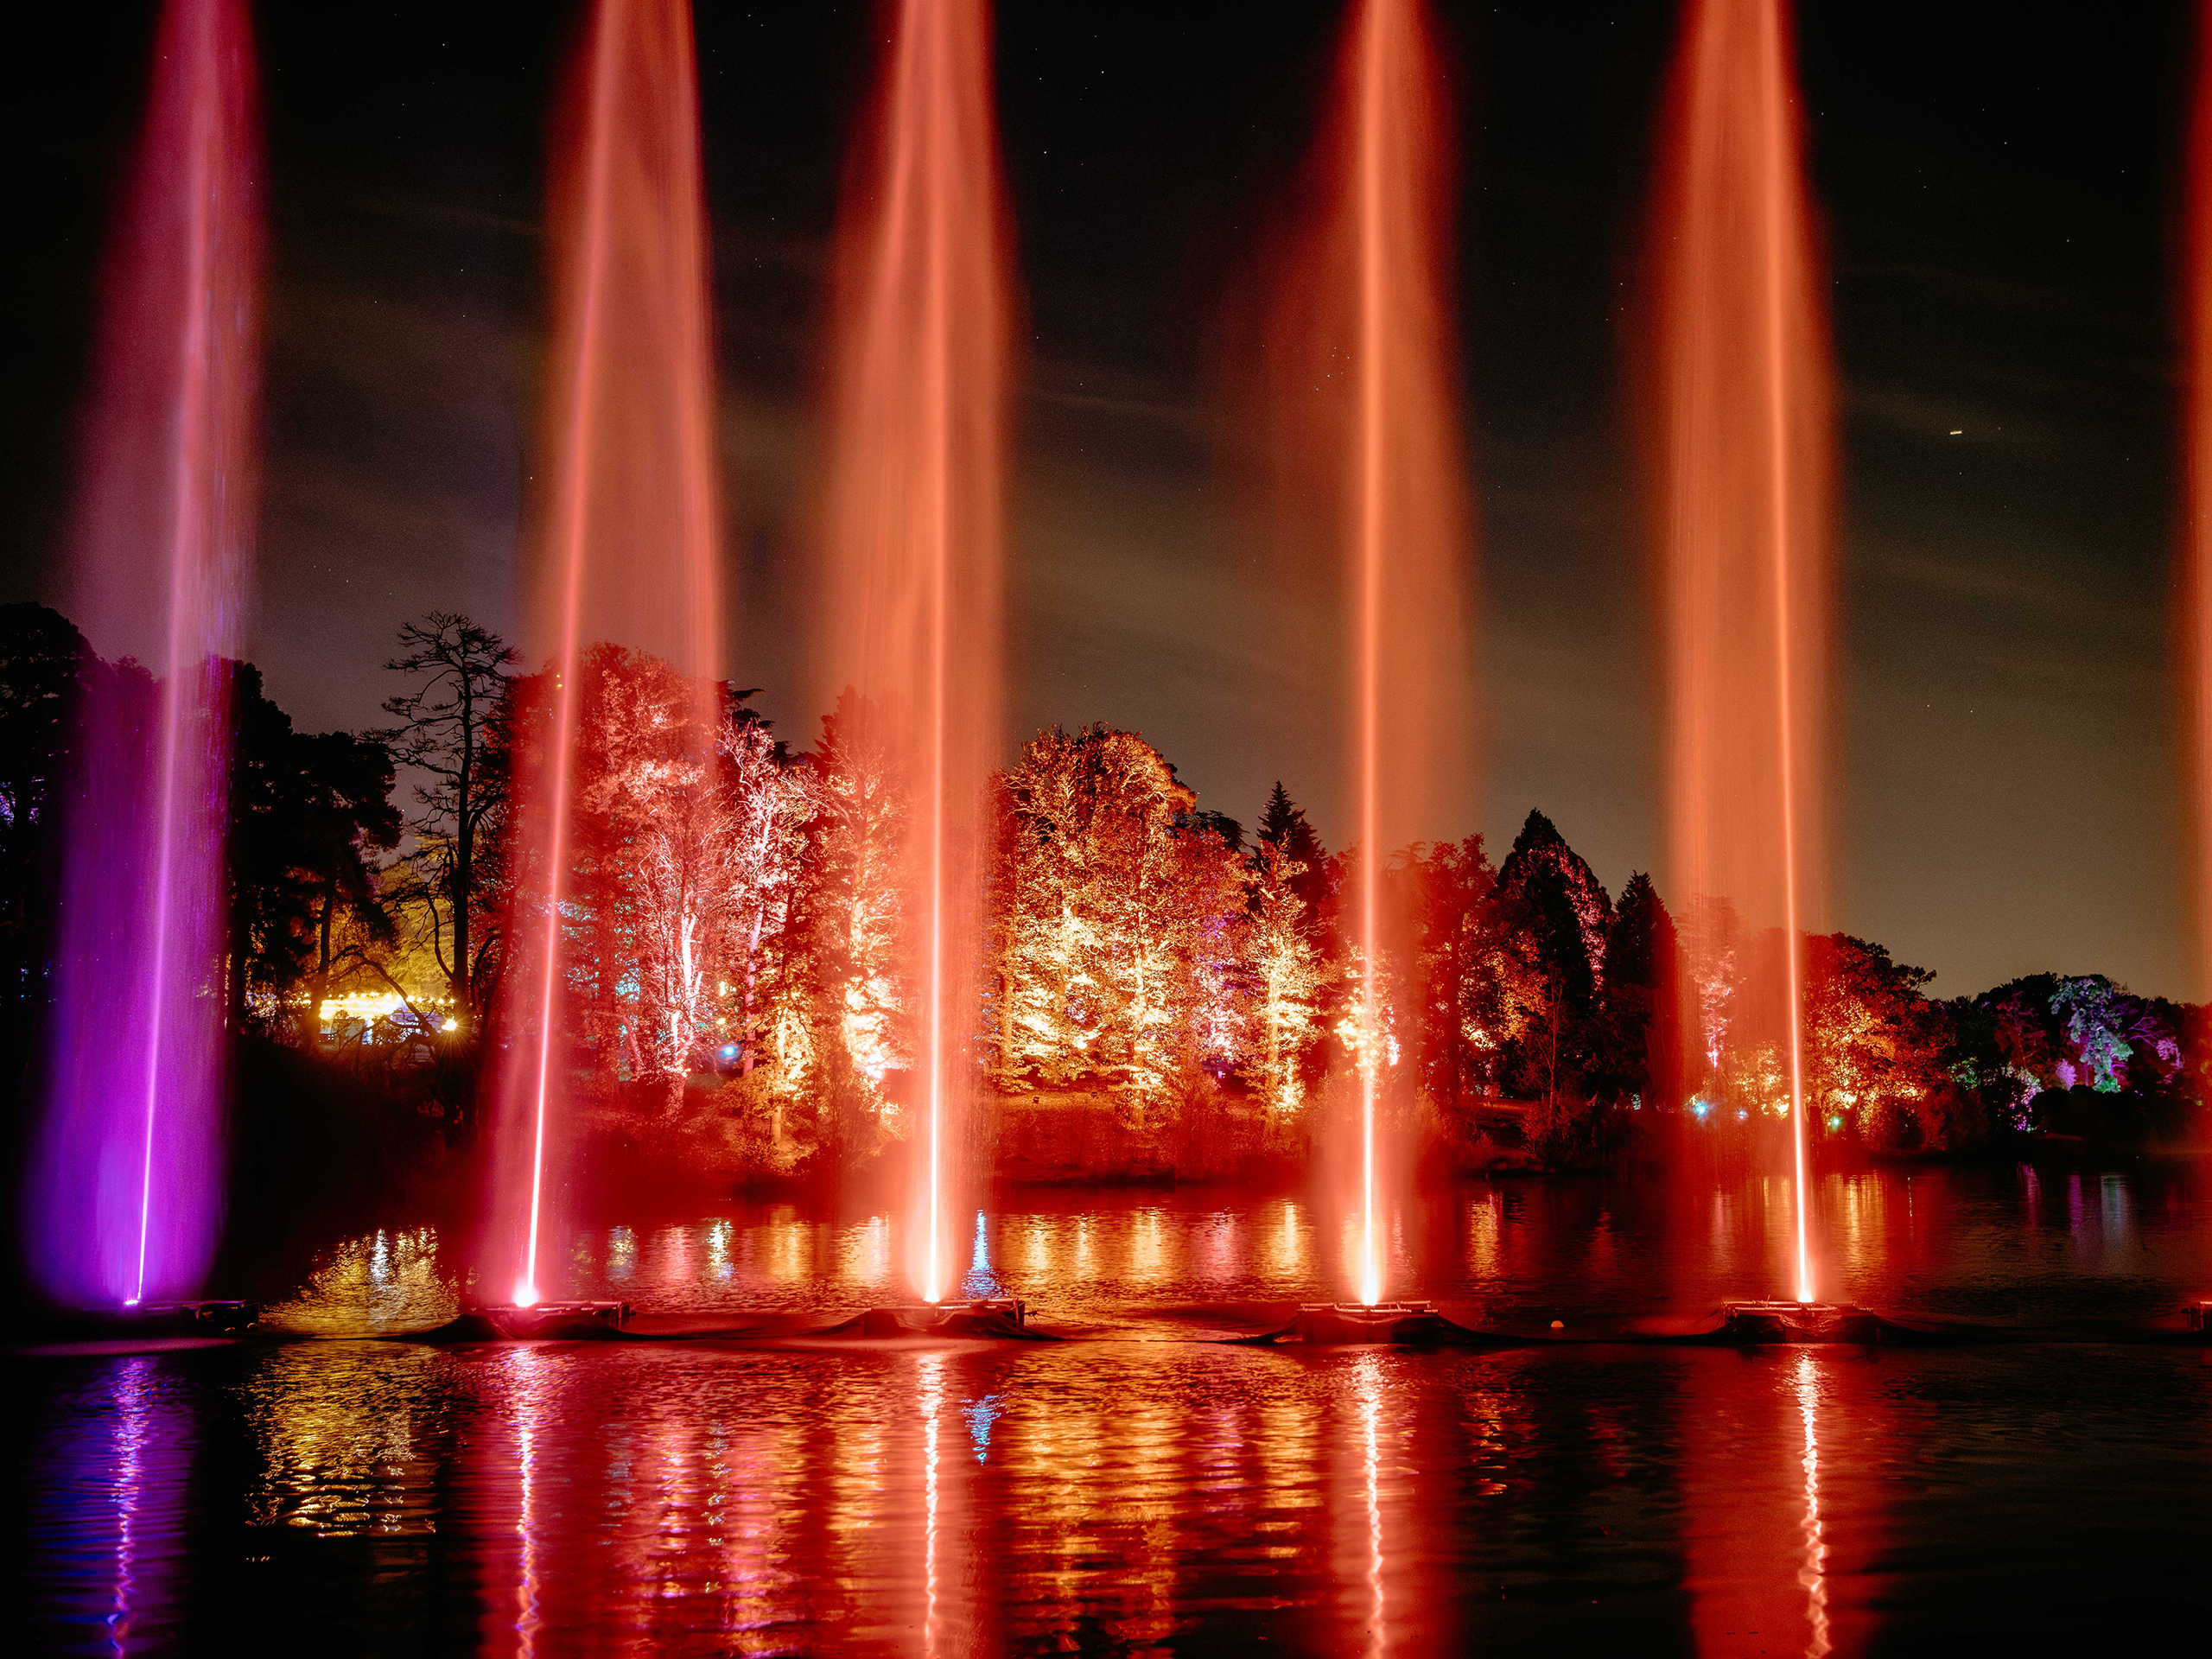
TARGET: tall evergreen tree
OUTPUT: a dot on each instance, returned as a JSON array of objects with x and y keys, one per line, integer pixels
[
  {"x": 1560, "y": 901},
  {"x": 1643, "y": 1048},
  {"x": 1283, "y": 826}
]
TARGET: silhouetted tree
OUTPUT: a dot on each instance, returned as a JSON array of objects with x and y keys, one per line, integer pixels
[
  {"x": 346, "y": 814},
  {"x": 303, "y": 812},
  {"x": 1641, "y": 1052},
  {"x": 448, "y": 732},
  {"x": 44, "y": 667},
  {"x": 1282, "y": 825},
  {"x": 1550, "y": 895}
]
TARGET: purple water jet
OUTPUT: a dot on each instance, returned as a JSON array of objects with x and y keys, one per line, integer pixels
[{"x": 126, "y": 1190}]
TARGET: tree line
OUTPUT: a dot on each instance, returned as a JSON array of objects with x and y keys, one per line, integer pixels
[{"x": 737, "y": 960}]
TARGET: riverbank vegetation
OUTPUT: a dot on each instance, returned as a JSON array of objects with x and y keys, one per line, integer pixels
[{"x": 1165, "y": 992}]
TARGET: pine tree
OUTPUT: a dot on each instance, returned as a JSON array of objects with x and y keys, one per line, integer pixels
[{"x": 1283, "y": 825}]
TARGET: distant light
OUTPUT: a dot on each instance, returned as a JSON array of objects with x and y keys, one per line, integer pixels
[
  {"x": 729, "y": 1051},
  {"x": 1835, "y": 1122},
  {"x": 525, "y": 1294},
  {"x": 452, "y": 1024},
  {"x": 359, "y": 1004},
  {"x": 131, "y": 1301},
  {"x": 1958, "y": 431}
]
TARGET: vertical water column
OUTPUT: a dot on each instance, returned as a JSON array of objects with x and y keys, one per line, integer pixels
[
  {"x": 911, "y": 606},
  {"x": 1363, "y": 358},
  {"x": 127, "y": 1178},
  {"x": 1744, "y": 426},
  {"x": 625, "y": 546},
  {"x": 2196, "y": 562}
]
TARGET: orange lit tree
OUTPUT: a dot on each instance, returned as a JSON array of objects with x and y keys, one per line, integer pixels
[{"x": 1117, "y": 913}]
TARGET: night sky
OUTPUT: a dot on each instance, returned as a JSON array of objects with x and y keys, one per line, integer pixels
[{"x": 2001, "y": 193}]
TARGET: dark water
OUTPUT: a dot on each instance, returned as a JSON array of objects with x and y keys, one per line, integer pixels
[{"x": 1145, "y": 1491}]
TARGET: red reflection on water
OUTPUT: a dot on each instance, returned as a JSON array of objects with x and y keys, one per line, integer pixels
[
  {"x": 1760, "y": 1538},
  {"x": 1370, "y": 1410},
  {"x": 1813, "y": 1574},
  {"x": 910, "y": 619},
  {"x": 514, "y": 1625},
  {"x": 1746, "y": 434},
  {"x": 1393, "y": 1480},
  {"x": 930, "y": 1401}
]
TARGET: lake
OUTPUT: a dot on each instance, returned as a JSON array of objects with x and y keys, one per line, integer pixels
[{"x": 1144, "y": 1488}]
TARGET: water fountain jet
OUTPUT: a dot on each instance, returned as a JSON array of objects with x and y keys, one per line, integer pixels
[
  {"x": 126, "y": 1181},
  {"x": 913, "y": 613},
  {"x": 2194, "y": 597},
  {"x": 628, "y": 542},
  {"x": 1380, "y": 448},
  {"x": 1746, "y": 433}
]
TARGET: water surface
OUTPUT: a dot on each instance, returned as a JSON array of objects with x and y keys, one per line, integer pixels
[{"x": 1144, "y": 1489}]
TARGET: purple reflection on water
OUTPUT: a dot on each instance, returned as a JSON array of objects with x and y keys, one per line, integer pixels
[
  {"x": 126, "y": 1187},
  {"x": 108, "y": 1499}
]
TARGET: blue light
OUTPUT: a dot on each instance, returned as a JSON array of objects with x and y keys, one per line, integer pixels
[
  {"x": 981, "y": 1415},
  {"x": 980, "y": 1281}
]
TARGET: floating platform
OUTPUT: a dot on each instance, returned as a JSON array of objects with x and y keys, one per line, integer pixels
[
  {"x": 164, "y": 1325},
  {"x": 1761, "y": 1324},
  {"x": 1397, "y": 1324},
  {"x": 1003, "y": 1319},
  {"x": 2200, "y": 1319},
  {"x": 203, "y": 1319},
  {"x": 545, "y": 1322}
]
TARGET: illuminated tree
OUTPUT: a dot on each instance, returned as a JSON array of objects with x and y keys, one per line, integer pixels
[
  {"x": 1561, "y": 903},
  {"x": 2055, "y": 1031},
  {"x": 1116, "y": 910},
  {"x": 1473, "y": 983},
  {"x": 1288, "y": 973},
  {"x": 1283, "y": 826},
  {"x": 1711, "y": 940},
  {"x": 767, "y": 809},
  {"x": 837, "y": 1019},
  {"x": 1875, "y": 1047}
]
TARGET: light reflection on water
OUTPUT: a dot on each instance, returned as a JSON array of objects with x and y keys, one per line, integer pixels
[
  {"x": 1156, "y": 1494},
  {"x": 2000, "y": 1244},
  {"x": 1114, "y": 1496},
  {"x": 106, "y": 1493}
]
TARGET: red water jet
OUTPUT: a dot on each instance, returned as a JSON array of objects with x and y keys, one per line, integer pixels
[
  {"x": 627, "y": 547},
  {"x": 1362, "y": 357},
  {"x": 911, "y": 614},
  {"x": 1745, "y": 430}
]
